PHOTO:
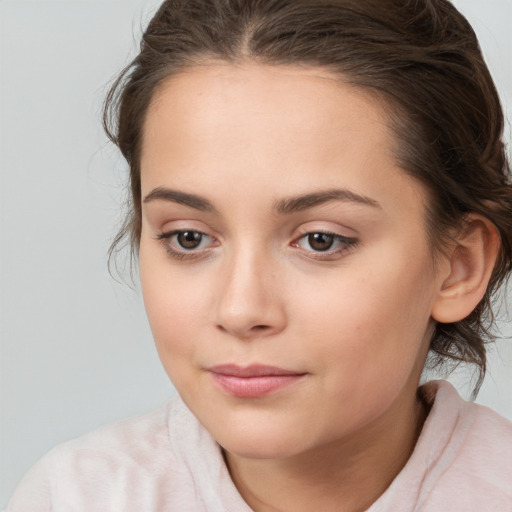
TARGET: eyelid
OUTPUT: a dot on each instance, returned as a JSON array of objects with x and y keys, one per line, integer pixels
[
  {"x": 166, "y": 237},
  {"x": 327, "y": 226},
  {"x": 347, "y": 244}
]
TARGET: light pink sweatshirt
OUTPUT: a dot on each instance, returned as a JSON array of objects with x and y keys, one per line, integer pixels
[{"x": 166, "y": 461}]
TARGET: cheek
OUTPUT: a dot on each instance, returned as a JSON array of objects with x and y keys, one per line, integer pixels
[
  {"x": 369, "y": 321},
  {"x": 174, "y": 305}
]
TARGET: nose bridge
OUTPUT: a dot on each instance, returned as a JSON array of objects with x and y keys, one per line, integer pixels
[{"x": 249, "y": 303}]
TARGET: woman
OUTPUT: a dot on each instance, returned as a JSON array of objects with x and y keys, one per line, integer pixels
[{"x": 321, "y": 199}]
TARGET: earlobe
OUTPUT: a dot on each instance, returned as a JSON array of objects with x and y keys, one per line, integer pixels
[{"x": 470, "y": 263}]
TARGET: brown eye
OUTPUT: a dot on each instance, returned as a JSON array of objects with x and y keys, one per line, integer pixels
[
  {"x": 320, "y": 241},
  {"x": 325, "y": 244},
  {"x": 189, "y": 239},
  {"x": 182, "y": 244}
]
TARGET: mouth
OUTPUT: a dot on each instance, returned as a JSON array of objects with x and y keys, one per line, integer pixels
[{"x": 254, "y": 381}]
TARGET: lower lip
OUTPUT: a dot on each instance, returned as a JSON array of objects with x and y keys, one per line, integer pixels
[{"x": 253, "y": 387}]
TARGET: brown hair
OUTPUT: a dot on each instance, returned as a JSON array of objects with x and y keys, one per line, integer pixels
[{"x": 421, "y": 56}]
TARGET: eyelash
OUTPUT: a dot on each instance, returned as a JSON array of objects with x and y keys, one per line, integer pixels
[
  {"x": 347, "y": 244},
  {"x": 166, "y": 240}
]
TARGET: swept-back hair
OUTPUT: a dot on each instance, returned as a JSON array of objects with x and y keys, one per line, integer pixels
[{"x": 421, "y": 57}]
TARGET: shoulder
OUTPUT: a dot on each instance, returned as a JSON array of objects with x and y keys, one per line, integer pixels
[
  {"x": 479, "y": 435},
  {"x": 484, "y": 451},
  {"x": 105, "y": 468},
  {"x": 134, "y": 441},
  {"x": 134, "y": 436},
  {"x": 488, "y": 435},
  {"x": 462, "y": 461},
  {"x": 474, "y": 468}
]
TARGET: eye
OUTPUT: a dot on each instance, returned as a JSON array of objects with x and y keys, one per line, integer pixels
[
  {"x": 324, "y": 242},
  {"x": 317, "y": 241},
  {"x": 185, "y": 243},
  {"x": 190, "y": 239}
]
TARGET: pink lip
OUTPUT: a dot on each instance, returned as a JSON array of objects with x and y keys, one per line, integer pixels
[{"x": 252, "y": 381}]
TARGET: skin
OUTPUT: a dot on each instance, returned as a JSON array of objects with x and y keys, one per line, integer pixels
[{"x": 355, "y": 320}]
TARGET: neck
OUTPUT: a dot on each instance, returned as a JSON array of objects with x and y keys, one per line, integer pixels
[{"x": 346, "y": 475}]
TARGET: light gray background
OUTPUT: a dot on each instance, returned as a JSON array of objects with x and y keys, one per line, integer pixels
[{"x": 76, "y": 351}]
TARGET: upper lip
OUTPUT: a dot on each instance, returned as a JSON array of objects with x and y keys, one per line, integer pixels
[{"x": 255, "y": 370}]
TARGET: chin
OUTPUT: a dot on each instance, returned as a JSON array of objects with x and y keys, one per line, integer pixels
[
  {"x": 267, "y": 449},
  {"x": 260, "y": 443}
]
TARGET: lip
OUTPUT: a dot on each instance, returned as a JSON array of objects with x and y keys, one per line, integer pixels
[{"x": 253, "y": 381}]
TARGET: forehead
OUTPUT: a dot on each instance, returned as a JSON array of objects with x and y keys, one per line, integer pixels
[
  {"x": 291, "y": 127},
  {"x": 247, "y": 100}
]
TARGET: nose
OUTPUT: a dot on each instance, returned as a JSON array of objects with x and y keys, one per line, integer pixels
[{"x": 249, "y": 300}]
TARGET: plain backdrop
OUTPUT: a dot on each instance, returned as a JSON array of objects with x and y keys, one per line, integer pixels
[{"x": 76, "y": 351}]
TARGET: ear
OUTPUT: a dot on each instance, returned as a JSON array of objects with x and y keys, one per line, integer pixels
[{"x": 466, "y": 270}]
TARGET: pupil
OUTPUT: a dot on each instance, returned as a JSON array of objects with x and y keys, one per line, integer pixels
[
  {"x": 320, "y": 241},
  {"x": 189, "y": 239}
]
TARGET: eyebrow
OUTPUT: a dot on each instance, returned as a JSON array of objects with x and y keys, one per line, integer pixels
[
  {"x": 184, "y": 198},
  {"x": 303, "y": 202},
  {"x": 283, "y": 206}
]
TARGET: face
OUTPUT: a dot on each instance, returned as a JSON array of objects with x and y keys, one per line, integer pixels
[{"x": 284, "y": 260}]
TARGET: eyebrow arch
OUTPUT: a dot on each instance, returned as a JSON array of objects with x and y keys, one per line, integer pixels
[
  {"x": 184, "y": 198},
  {"x": 303, "y": 202}
]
